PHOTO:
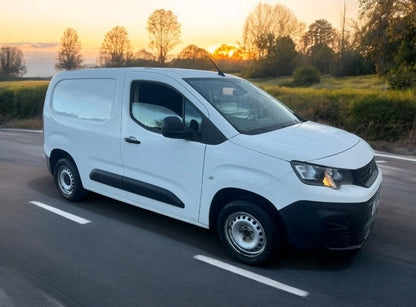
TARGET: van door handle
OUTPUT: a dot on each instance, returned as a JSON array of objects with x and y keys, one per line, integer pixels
[{"x": 132, "y": 139}]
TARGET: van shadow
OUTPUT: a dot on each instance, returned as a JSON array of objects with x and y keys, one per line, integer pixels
[
  {"x": 197, "y": 237},
  {"x": 207, "y": 240}
]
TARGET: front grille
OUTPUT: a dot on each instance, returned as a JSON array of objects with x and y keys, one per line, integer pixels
[{"x": 366, "y": 175}]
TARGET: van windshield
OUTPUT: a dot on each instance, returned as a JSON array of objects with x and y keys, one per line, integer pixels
[{"x": 249, "y": 109}]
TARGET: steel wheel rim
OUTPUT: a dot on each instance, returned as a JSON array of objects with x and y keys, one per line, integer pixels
[
  {"x": 245, "y": 234},
  {"x": 66, "y": 181}
]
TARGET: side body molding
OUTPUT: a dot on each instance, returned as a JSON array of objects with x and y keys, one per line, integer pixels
[{"x": 137, "y": 187}]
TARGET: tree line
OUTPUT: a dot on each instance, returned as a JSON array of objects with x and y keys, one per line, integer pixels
[{"x": 274, "y": 43}]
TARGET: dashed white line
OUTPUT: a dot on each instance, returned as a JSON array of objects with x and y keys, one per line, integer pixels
[
  {"x": 256, "y": 277},
  {"x": 62, "y": 213},
  {"x": 394, "y": 157}
]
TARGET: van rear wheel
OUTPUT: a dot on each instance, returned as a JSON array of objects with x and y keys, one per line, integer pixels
[
  {"x": 67, "y": 181},
  {"x": 247, "y": 232}
]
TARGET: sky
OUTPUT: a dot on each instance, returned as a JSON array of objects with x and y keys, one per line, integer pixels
[{"x": 36, "y": 26}]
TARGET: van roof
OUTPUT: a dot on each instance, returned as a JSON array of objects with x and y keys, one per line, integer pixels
[{"x": 172, "y": 72}]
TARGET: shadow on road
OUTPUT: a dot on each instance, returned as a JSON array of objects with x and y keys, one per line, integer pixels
[{"x": 184, "y": 233}]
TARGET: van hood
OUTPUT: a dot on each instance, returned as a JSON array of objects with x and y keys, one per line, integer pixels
[{"x": 307, "y": 142}]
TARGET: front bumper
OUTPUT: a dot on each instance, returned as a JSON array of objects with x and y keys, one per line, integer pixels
[{"x": 334, "y": 226}]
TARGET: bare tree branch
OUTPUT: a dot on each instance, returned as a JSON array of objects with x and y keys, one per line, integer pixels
[
  {"x": 69, "y": 54},
  {"x": 164, "y": 33}
]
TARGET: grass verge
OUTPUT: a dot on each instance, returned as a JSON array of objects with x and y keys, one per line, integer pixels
[{"x": 32, "y": 124}]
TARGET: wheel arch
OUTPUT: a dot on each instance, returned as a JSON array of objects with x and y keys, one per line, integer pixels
[
  {"x": 226, "y": 195},
  {"x": 58, "y": 154}
]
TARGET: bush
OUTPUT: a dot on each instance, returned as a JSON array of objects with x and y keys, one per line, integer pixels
[
  {"x": 255, "y": 69},
  {"x": 379, "y": 117},
  {"x": 306, "y": 75},
  {"x": 372, "y": 114},
  {"x": 402, "y": 77},
  {"x": 351, "y": 64}
]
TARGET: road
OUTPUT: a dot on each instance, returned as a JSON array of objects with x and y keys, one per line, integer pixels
[{"x": 126, "y": 256}]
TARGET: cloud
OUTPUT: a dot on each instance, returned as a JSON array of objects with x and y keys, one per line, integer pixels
[
  {"x": 38, "y": 45},
  {"x": 44, "y": 45}
]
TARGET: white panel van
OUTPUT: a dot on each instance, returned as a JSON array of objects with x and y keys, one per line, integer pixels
[{"x": 212, "y": 150}]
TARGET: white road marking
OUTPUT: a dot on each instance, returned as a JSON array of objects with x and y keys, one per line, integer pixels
[
  {"x": 20, "y": 130},
  {"x": 394, "y": 157},
  {"x": 251, "y": 275},
  {"x": 64, "y": 214},
  {"x": 380, "y": 161}
]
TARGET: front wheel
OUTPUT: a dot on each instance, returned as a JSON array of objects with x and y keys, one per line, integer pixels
[
  {"x": 67, "y": 181},
  {"x": 248, "y": 232}
]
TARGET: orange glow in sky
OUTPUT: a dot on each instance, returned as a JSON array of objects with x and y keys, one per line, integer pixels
[{"x": 37, "y": 26}]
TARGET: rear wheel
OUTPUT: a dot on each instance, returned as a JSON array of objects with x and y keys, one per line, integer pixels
[
  {"x": 67, "y": 181},
  {"x": 248, "y": 232}
]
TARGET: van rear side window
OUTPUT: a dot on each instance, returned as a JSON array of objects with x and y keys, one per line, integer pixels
[{"x": 90, "y": 99}]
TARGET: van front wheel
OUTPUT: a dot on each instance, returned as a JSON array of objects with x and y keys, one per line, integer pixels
[
  {"x": 248, "y": 232},
  {"x": 67, "y": 181}
]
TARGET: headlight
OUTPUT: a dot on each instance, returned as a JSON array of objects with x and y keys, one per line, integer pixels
[{"x": 321, "y": 175}]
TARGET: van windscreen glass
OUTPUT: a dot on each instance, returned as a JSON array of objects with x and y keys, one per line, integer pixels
[{"x": 249, "y": 109}]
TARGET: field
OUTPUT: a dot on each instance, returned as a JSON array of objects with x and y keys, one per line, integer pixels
[
  {"x": 12, "y": 85},
  {"x": 363, "y": 105},
  {"x": 368, "y": 82}
]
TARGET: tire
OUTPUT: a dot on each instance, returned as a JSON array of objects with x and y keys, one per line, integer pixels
[
  {"x": 248, "y": 233},
  {"x": 67, "y": 181}
]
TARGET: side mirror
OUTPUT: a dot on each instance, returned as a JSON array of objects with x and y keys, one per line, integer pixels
[{"x": 172, "y": 127}]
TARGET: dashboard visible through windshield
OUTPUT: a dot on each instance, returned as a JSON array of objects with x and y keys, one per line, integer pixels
[{"x": 249, "y": 109}]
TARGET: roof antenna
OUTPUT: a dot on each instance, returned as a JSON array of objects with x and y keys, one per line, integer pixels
[{"x": 216, "y": 67}]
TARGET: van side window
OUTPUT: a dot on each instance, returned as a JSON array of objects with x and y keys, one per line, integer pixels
[
  {"x": 88, "y": 99},
  {"x": 151, "y": 102}
]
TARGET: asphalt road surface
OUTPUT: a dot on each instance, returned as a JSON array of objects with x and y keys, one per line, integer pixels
[{"x": 112, "y": 254}]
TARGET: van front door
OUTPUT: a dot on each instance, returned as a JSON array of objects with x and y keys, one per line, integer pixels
[{"x": 159, "y": 173}]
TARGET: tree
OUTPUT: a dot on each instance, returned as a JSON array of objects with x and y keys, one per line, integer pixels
[
  {"x": 229, "y": 58},
  {"x": 69, "y": 54},
  {"x": 281, "y": 58},
  {"x": 266, "y": 20},
  {"x": 115, "y": 50},
  {"x": 284, "y": 56},
  {"x": 388, "y": 39},
  {"x": 142, "y": 58},
  {"x": 321, "y": 57},
  {"x": 164, "y": 33},
  {"x": 192, "y": 57},
  {"x": 320, "y": 32},
  {"x": 227, "y": 52},
  {"x": 12, "y": 63},
  {"x": 379, "y": 39},
  {"x": 343, "y": 38},
  {"x": 403, "y": 72},
  {"x": 350, "y": 63},
  {"x": 193, "y": 52},
  {"x": 143, "y": 54}
]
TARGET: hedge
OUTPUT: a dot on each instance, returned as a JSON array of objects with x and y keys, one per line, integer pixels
[
  {"x": 372, "y": 114},
  {"x": 22, "y": 102}
]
